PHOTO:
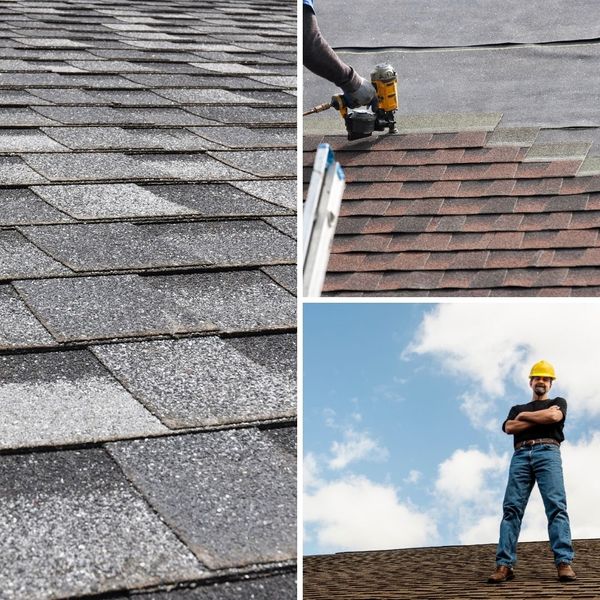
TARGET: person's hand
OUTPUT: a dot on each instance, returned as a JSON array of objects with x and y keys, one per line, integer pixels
[{"x": 363, "y": 95}]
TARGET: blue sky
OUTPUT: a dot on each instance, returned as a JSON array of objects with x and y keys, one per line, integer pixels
[{"x": 403, "y": 405}]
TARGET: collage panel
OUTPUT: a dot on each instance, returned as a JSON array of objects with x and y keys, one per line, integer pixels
[
  {"x": 436, "y": 436},
  {"x": 148, "y": 306},
  {"x": 466, "y": 136}
]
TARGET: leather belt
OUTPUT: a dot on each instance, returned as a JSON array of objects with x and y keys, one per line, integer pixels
[{"x": 538, "y": 441}]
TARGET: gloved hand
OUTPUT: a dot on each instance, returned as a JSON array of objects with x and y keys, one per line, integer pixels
[{"x": 363, "y": 95}]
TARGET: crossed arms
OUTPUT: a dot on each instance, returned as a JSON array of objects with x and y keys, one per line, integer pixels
[{"x": 525, "y": 420}]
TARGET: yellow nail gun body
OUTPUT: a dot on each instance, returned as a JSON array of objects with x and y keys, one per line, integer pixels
[{"x": 379, "y": 116}]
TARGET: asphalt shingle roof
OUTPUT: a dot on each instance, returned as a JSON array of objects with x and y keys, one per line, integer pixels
[
  {"x": 147, "y": 299},
  {"x": 455, "y": 205},
  {"x": 448, "y": 573}
]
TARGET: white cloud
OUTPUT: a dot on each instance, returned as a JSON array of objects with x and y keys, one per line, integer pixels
[
  {"x": 413, "y": 477},
  {"x": 462, "y": 476},
  {"x": 357, "y": 445},
  {"x": 355, "y": 513},
  {"x": 480, "y": 410},
  {"x": 485, "y": 530},
  {"x": 490, "y": 343},
  {"x": 310, "y": 474}
]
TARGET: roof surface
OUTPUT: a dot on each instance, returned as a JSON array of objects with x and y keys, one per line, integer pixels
[
  {"x": 457, "y": 205},
  {"x": 451, "y": 572},
  {"x": 147, "y": 299}
]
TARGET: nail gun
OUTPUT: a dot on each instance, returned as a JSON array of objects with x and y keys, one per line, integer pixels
[{"x": 379, "y": 116}]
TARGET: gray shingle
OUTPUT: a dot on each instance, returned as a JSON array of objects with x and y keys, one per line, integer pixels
[
  {"x": 64, "y": 398},
  {"x": 28, "y": 140},
  {"x": 18, "y": 117},
  {"x": 91, "y": 167},
  {"x": 112, "y": 246},
  {"x": 64, "y": 96},
  {"x": 20, "y": 206},
  {"x": 20, "y": 258},
  {"x": 18, "y": 327},
  {"x": 73, "y": 524},
  {"x": 284, "y": 275},
  {"x": 198, "y": 382},
  {"x": 105, "y": 115},
  {"x": 282, "y": 587},
  {"x": 276, "y": 353},
  {"x": 111, "y": 200},
  {"x": 246, "y": 114},
  {"x": 241, "y": 137},
  {"x": 287, "y": 225},
  {"x": 219, "y": 199},
  {"x": 190, "y": 167},
  {"x": 88, "y": 308},
  {"x": 119, "y": 138},
  {"x": 14, "y": 171},
  {"x": 193, "y": 481},
  {"x": 205, "y": 96},
  {"x": 19, "y": 97},
  {"x": 263, "y": 163},
  {"x": 233, "y": 300},
  {"x": 283, "y": 193},
  {"x": 129, "y": 97}
]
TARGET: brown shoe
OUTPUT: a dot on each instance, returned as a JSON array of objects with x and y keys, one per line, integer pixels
[
  {"x": 565, "y": 572},
  {"x": 502, "y": 573}
]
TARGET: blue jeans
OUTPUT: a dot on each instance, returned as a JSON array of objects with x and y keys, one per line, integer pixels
[{"x": 541, "y": 463}]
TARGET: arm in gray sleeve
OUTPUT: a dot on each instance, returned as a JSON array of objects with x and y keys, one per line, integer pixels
[{"x": 322, "y": 60}]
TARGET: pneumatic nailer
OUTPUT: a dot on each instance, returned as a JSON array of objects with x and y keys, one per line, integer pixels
[{"x": 379, "y": 115}]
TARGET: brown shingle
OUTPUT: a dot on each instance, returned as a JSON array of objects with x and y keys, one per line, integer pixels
[{"x": 448, "y": 573}]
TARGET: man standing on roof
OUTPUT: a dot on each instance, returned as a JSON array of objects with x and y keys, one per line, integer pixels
[
  {"x": 320, "y": 58},
  {"x": 538, "y": 432}
]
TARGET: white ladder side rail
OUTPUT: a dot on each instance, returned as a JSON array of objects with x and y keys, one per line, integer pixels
[{"x": 321, "y": 212}]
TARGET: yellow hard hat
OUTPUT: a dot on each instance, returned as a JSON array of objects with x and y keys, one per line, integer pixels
[{"x": 542, "y": 369}]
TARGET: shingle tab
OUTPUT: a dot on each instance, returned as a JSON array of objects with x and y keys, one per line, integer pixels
[
  {"x": 110, "y": 200},
  {"x": 221, "y": 528},
  {"x": 19, "y": 258},
  {"x": 18, "y": 327},
  {"x": 20, "y": 206},
  {"x": 89, "y": 308},
  {"x": 221, "y": 199},
  {"x": 114, "y": 246},
  {"x": 200, "y": 382},
  {"x": 65, "y": 398},
  {"x": 72, "y": 523}
]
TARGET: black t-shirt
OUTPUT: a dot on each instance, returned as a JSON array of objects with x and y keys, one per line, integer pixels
[{"x": 551, "y": 430}]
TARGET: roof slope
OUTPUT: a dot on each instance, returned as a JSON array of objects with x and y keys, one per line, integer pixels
[
  {"x": 455, "y": 205},
  {"x": 147, "y": 298},
  {"x": 451, "y": 572}
]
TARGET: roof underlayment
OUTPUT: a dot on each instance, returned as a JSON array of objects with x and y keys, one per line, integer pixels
[{"x": 147, "y": 299}]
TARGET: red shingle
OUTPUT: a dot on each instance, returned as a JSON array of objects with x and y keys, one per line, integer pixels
[
  {"x": 361, "y": 243},
  {"x": 445, "y": 214}
]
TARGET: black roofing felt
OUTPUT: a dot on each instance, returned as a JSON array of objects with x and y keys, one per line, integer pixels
[{"x": 147, "y": 299}]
